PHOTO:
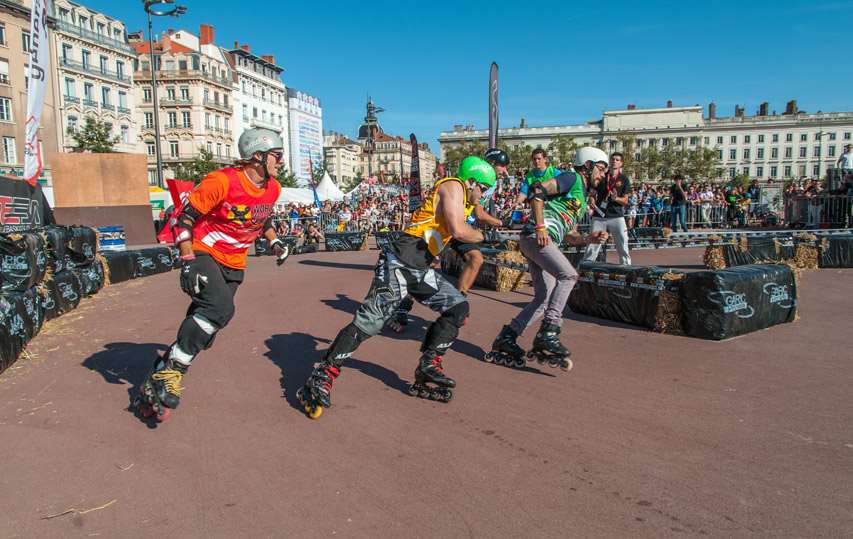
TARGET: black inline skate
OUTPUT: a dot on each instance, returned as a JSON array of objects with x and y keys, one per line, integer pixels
[
  {"x": 316, "y": 394},
  {"x": 430, "y": 380},
  {"x": 161, "y": 391},
  {"x": 505, "y": 351},
  {"x": 547, "y": 348}
]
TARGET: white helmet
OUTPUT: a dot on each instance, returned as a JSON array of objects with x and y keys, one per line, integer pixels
[
  {"x": 258, "y": 140},
  {"x": 590, "y": 153}
]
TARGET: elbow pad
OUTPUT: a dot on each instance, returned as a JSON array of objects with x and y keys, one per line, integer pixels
[
  {"x": 537, "y": 192},
  {"x": 183, "y": 223}
]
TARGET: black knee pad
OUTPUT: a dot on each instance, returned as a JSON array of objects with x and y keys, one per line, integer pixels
[
  {"x": 345, "y": 344},
  {"x": 457, "y": 314},
  {"x": 441, "y": 333},
  {"x": 196, "y": 334}
]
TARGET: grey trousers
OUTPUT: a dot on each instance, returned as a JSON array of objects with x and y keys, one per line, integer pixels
[
  {"x": 617, "y": 228},
  {"x": 553, "y": 279}
]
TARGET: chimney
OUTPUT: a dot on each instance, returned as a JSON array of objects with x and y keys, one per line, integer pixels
[
  {"x": 669, "y": 103},
  {"x": 268, "y": 58},
  {"x": 791, "y": 107},
  {"x": 631, "y": 106},
  {"x": 165, "y": 43},
  {"x": 205, "y": 35},
  {"x": 236, "y": 45},
  {"x": 712, "y": 110},
  {"x": 763, "y": 108},
  {"x": 170, "y": 31},
  {"x": 245, "y": 47}
]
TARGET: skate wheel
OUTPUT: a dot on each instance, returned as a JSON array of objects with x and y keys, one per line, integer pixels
[
  {"x": 163, "y": 415},
  {"x": 448, "y": 394},
  {"x": 313, "y": 413},
  {"x": 488, "y": 358},
  {"x": 435, "y": 395},
  {"x": 520, "y": 363},
  {"x": 424, "y": 393},
  {"x": 413, "y": 391},
  {"x": 567, "y": 365}
]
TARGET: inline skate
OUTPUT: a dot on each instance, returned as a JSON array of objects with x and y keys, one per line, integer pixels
[
  {"x": 430, "y": 380},
  {"x": 505, "y": 351},
  {"x": 547, "y": 348},
  {"x": 161, "y": 391},
  {"x": 316, "y": 394}
]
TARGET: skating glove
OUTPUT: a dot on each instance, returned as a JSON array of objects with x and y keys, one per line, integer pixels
[
  {"x": 280, "y": 250},
  {"x": 193, "y": 280}
]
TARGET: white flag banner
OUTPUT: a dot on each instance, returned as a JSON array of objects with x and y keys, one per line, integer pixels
[{"x": 39, "y": 57}]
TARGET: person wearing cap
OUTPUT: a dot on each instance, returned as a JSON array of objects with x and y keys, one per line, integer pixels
[
  {"x": 405, "y": 268},
  {"x": 213, "y": 230},
  {"x": 557, "y": 204},
  {"x": 609, "y": 198}
]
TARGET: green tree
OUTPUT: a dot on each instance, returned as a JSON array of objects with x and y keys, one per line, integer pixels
[
  {"x": 348, "y": 186},
  {"x": 649, "y": 163},
  {"x": 703, "y": 163},
  {"x": 741, "y": 181},
  {"x": 93, "y": 137},
  {"x": 285, "y": 177},
  {"x": 519, "y": 154},
  {"x": 454, "y": 154},
  {"x": 562, "y": 149},
  {"x": 627, "y": 145},
  {"x": 198, "y": 168},
  {"x": 672, "y": 160}
]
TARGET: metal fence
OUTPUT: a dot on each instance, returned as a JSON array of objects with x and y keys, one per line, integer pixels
[{"x": 820, "y": 211}]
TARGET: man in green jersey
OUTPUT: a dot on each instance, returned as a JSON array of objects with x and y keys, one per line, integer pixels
[{"x": 557, "y": 204}]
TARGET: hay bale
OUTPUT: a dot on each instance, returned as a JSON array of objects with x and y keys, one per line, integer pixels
[
  {"x": 509, "y": 279},
  {"x": 743, "y": 243},
  {"x": 714, "y": 257},
  {"x": 512, "y": 245},
  {"x": 666, "y": 232},
  {"x": 668, "y": 313},
  {"x": 806, "y": 255},
  {"x": 106, "y": 265},
  {"x": 364, "y": 245}
]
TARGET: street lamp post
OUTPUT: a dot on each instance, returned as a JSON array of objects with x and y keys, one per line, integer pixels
[{"x": 160, "y": 8}]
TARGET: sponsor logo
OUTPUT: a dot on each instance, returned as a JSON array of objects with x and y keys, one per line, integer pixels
[
  {"x": 778, "y": 294},
  {"x": 15, "y": 262},
  {"x": 67, "y": 291},
  {"x": 732, "y": 303},
  {"x": 146, "y": 263},
  {"x": 164, "y": 259}
]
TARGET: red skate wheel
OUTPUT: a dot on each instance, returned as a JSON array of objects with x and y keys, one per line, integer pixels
[{"x": 163, "y": 415}]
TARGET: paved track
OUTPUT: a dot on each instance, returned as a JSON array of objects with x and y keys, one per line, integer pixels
[{"x": 649, "y": 435}]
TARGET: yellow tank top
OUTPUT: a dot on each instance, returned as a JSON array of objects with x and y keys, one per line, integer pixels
[{"x": 424, "y": 225}]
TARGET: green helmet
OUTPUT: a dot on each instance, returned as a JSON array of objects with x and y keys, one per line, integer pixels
[{"x": 477, "y": 169}]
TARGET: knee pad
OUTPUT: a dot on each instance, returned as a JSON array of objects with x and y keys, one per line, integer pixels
[
  {"x": 441, "y": 333},
  {"x": 195, "y": 334},
  {"x": 345, "y": 344},
  {"x": 457, "y": 314}
]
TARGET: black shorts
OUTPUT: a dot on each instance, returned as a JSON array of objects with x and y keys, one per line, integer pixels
[{"x": 463, "y": 248}]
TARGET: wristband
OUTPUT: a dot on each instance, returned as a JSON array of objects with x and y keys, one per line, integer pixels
[
  {"x": 187, "y": 258},
  {"x": 540, "y": 227}
]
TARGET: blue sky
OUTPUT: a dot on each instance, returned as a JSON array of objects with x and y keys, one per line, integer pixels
[{"x": 563, "y": 62}]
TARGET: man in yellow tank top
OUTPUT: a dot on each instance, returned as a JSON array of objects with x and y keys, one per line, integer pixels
[{"x": 404, "y": 268}]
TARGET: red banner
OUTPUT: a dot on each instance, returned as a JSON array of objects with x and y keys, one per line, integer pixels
[{"x": 179, "y": 190}]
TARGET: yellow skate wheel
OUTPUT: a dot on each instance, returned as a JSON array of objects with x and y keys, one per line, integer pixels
[{"x": 313, "y": 413}]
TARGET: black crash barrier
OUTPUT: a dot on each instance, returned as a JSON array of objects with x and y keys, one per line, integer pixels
[
  {"x": 345, "y": 241},
  {"x": 23, "y": 261},
  {"x": 836, "y": 252}
]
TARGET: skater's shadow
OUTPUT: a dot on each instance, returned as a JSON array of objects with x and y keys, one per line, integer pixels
[
  {"x": 296, "y": 353},
  {"x": 338, "y": 265},
  {"x": 125, "y": 363}
]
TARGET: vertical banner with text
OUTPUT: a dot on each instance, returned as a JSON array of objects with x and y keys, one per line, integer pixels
[
  {"x": 39, "y": 57},
  {"x": 414, "y": 176}
]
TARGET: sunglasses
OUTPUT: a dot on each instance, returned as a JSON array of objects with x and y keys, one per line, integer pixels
[{"x": 278, "y": 155}]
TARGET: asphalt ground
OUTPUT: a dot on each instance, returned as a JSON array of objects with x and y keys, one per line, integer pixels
[{"x": 648, "y": 436}]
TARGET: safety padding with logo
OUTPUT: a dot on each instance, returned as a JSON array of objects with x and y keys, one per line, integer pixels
[
  {"x": 344, "y": 241},
  {"x": 727, "y": 303},
  {"x": 82, "y": 246},
  {"x": 21, "y": 318},
  {"x": 750, "y": 250},
  {"x": 121, "y": 265},
  {"x": 836, "y": 252},
  {"x": 91, "y": 277},
  {"x": 262, "y": 246},
  {"x": 23, "y": 261},
  {"x": 151, "y": 261},
  {"x": 61, "y": 294},
  {"x": 56, "y": 238},
  {"x": 646, "y": 296}
]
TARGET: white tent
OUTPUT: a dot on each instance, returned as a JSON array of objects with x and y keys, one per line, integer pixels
[{"x": 327, "y": 190}]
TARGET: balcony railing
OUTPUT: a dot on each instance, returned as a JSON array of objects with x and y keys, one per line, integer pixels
[
  {"x": 91, "y": 103},
  {"x": 89, "y": 35},
  {"x": 92, "y": 70},
  {"x": 167, "y": 102},
  {"x": 218, "y": 105},
  {"x": 107, "y": 106},
  {"x": 71, "y": 99},
  {"x": 177, "y": 74},
  {"x": 123, "y": 110}
]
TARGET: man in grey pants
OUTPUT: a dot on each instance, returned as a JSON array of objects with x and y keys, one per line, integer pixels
[
  {"x": 557, "y": 204},
  {"x": 609, "y": 198}
]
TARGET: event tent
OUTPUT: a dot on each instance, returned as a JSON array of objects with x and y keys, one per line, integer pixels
[{"x": 326, "y": 190}]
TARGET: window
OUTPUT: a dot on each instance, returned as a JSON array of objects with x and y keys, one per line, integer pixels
[
  {"x": 185, "y": 118},
  {"x": 245, "y": 111},
  {"x": 788, "y": 171},
  {"x": 10, "y": 155},
  {"x": 216, "y": 122},
  {"x": 120, "y": 69},
  {"x": 760, "y": 139},
  {"x": 732, "y": 172},
  {"x": 125, "y": 134},
  {"x": 226, "y": 124},
  {"x": 149, "y": 146},
  {"x": 694, "y": 141},
  {"x": 216, "y": 97},
  {"x": 227, "y": 150},
  {"x": 746, "y": 153},
  {"x": 72, "y": 124},
  {"x": 122, "y": 100},
  {"x": 746, "y": 171},
  {"x": 831, "y": 151},
  {"x": 101, "y": 28},
  {"x": 218, "y": 149},
  {"x": 173, "y": 148},
  {"x": 804, "y": 137},
  {"x": 264, "y": 115},
  {"x": 816, "y": 170},
  {"x": 170, "y": 93},
  {"x": 832, "y": 136},
  {"x": 244, "y": 86},
  {"x": 817, "y": 135},
  {"x": 789, "y": 152},
  {"x": 67, "y": 52},
  {"x": 775, "y": 137},
  {"x": 105, "y": 96},
  {"x": 225, "y": 99},
  {"x": 774, "y": 153},
  {"x": 816, "y": 151},
  {"x": 146, "y": 95},
  {"x": 182, "y": 65},
  {"x": 789, "y": 137},
  {"x": 707, "y": 141},
  {"x": 207, "y": 119},
  {"x": 149, "y": 120},
  {"x": 172, "y": 119},
  {"x": 254, "y": 112},
  {"x": 760, "y": 153},
  {"x": 104, "y": 64},
  {"x": 732, "y": 154},
  {"x": 759, "y": 171},
  {"x": 664, "y": 141},
  {"x": 720, "y": 155},
  {"x": 185, "y": 93},
  {"x": 802, "y": 169},
  {"x": 733, "y": 139},
  {"x": 25, "y": 41},
  {"x": 719, "y": 140},
  {"x": 803, "y": 151},
  {"x": 86, "y": 56},
  {"x": 679, "y": 141},
  {"x": 206, "y": 94},
  {"x": 5, "y": 109},
  {"x": 4, "y": 72},
  {"x": 210, "y": 147},
  {"x": 847, "y": 135},
  {"x": 746, "y": 139},
  {"x": 773, "y": 171}
]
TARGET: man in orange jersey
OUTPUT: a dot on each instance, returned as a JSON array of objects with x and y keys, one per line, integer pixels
[{"x": 213, "y": 231}]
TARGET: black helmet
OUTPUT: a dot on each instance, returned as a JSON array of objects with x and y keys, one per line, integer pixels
[{"x": 496, "y": 156}]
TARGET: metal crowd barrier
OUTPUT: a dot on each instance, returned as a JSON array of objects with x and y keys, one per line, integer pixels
[{"x": 819, "y": 211}]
